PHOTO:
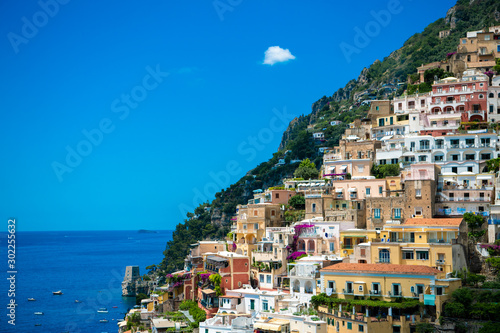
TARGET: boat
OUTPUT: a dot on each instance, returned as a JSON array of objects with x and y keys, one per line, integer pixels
[
  {"x": 31, "y": 299},
  {"x": 38, "y": 324},
  {"x": 103, "y": 321},
  {"x": 39, "y": 313},
  {"x": 114, "y": 307},
  {"x": 57, "y": 292},
  {"x": 77, "y": 301},
  {"x": 102, "y": 310}
]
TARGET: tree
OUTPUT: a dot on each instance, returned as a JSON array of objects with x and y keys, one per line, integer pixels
[
  {"x": 493, "y": 164},
  {"x": 306, "y": 170},
  {"x": 385, "y": 170},
  {"x": 297, "y": 202},
  {"x": 474, "y": 223},
  {"x": 490, "y": 327},
  {"x": 139, "y": 298}
]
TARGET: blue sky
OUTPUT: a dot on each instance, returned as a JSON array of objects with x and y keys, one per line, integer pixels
[{"x": 163, "y": 100}]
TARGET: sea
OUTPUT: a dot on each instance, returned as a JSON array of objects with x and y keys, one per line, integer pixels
[{"x": 87, "y": 266}]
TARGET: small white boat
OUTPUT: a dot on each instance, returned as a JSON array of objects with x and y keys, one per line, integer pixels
[
  {"x": 77, "y": 301},
  {"x": 102, "y": 310},
  {"x": 39, "y": 313},
  {"x": 31, "y": 299},
  {"x": 57, "y": 292},
  {"x": 103, "y": 321}
]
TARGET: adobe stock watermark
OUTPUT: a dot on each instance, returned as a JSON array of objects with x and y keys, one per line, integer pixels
[
  {"x": 372, "y": 29},
  {"x": 247, "y": 149},
  {"x": 223, "y": 6},
  {"x": 30, "y": 27},
  {"x": 120, "y": 106}
]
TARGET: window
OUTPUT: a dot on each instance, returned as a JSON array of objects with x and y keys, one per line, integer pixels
[
  {"x": 361, "y": 168},
  {"x": 470, "y": 157},
  {"x": 375, "y": 288},
  {"x": 408, "y": 255},
  {"x": 273, "y": 213},
  {"x": 332, "y": 247},
  {"x": 418, "y": 211},
  {"x": 361, "y": 328},
  {"x": 360, "y": 288},
  {"x": 313, "y": 208},
  {"x": 439, "y": 291},
  {"x": 422, "y": 158},
  {"x": 376, "y": 213},
  {"x": 261, "y": 278},
  {"x": 454, "y": 169},
  {"x": 455, "y": 157},
  {"x": 397, "y": 213},
  {"x": 368, "y": 191},
  {"x": 384, "y": 256},
  {"x": 485, "y": 156},
  {"x": 487, "y": 37},
  {"x": 491, "y": 95},
  {"x": 252, "y": 304},
  {"x": 380, "y": 189},
  {"x": 277, "y": 195},
  {"x": 331, "y": 284},
  {"x": 265, "y": 305},
  {"x": 396, "y": 289},
  {"x": 255, "y": 213},
  {"x": 268, "y": 278},
  {"x": 422, "y": 255},
  {"x": 349, "y": 325},
  {"x": 418, "y": 192}
]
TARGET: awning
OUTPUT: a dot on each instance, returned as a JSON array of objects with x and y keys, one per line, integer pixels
[
  {"x": 485, "y": 177},
  {"x": 451, "y": 180},
  {"x": 355, "y": 236},
  {"x": 344, "y": 167},
  {"x": 353, "y": 189},
  {"x": 208, "y": 291},
  {"x": 387, "y": 137},
  {"x": 339, "y": 190},
  {"x": 267, "y": 327}
]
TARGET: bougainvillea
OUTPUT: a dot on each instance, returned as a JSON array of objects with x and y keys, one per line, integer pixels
[
  {"x": 295, "y": 255},
  {"x": 298, "y": 230},
  {"x": 493, "y": 250}
]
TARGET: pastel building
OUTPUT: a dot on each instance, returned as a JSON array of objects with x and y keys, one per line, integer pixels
[
  {"x": 386, "y": 282},
  {"x": 465, "y": 192},
  {"x": 252, "y": 221},
  {"x": 432, "y": 242}
]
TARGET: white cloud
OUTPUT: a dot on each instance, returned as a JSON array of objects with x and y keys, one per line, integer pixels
[{"x": 276, "y": 54}]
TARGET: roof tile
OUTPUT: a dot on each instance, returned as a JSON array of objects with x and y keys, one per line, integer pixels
[{"x": 382, "y": 268}]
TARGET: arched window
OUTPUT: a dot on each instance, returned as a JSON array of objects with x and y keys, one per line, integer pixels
[
  {"x": 491, "y": 95},
  {"x": 481, "y": 96}
]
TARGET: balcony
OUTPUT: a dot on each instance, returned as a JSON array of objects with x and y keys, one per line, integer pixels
[
  {"x": 348, "y": 291},
  {"x": 330, "y": 291},
  {"x": 375, "y": 293},
  {"x": 395, "y": 294},
  {"x": 440, "y": 262},
  {"x": 439, "y": 241},
  {"x": 383, "y": 261}
]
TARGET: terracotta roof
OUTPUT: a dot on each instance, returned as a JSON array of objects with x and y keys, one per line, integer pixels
[
  {"x": 437, "y": 221},
  {"x": 381, "y": 268}
]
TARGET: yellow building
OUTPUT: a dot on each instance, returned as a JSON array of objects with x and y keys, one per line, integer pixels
[
  {"x": 432, "y": 242},
  {"x": 350, "y": 238},
  {"x": 383, "y": 282},
  {"x": 251, "y": 224}
]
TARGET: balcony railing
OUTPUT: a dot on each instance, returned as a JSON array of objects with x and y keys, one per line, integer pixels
[
  {"x": 375, "y": 292},
  {"x": 440, "y": 262},
  {"x": 395, "y": 294},
  {"x": 439, "y": 241},
  {"x": 384, "y": 260},
  {"x": 348, "y": 291}
]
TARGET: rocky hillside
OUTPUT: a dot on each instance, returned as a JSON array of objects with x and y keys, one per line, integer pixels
[{"x": 382, "y": 79}]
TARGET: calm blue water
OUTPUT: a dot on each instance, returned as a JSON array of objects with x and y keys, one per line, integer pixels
[{"x": 86, "y": 265}]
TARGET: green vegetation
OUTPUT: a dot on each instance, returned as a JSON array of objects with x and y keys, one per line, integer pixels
[
  {"x": 493, "y": 165},
  {"x": 216, "y": 279},
  {"x": 469, "y": 304},
  {"x": 139, "y": 298},
  {"x": 306, "y": 170},
  {"x": 328, "y": 301},
  {"x": 297, "y": 202},
  {"x": 386, "y": 170},
  {"x": 198, "y": 314},
  {"x": 474, "y": 223}
]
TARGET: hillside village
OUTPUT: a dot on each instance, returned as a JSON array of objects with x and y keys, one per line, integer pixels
[{"x": 398, "y": 231}]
